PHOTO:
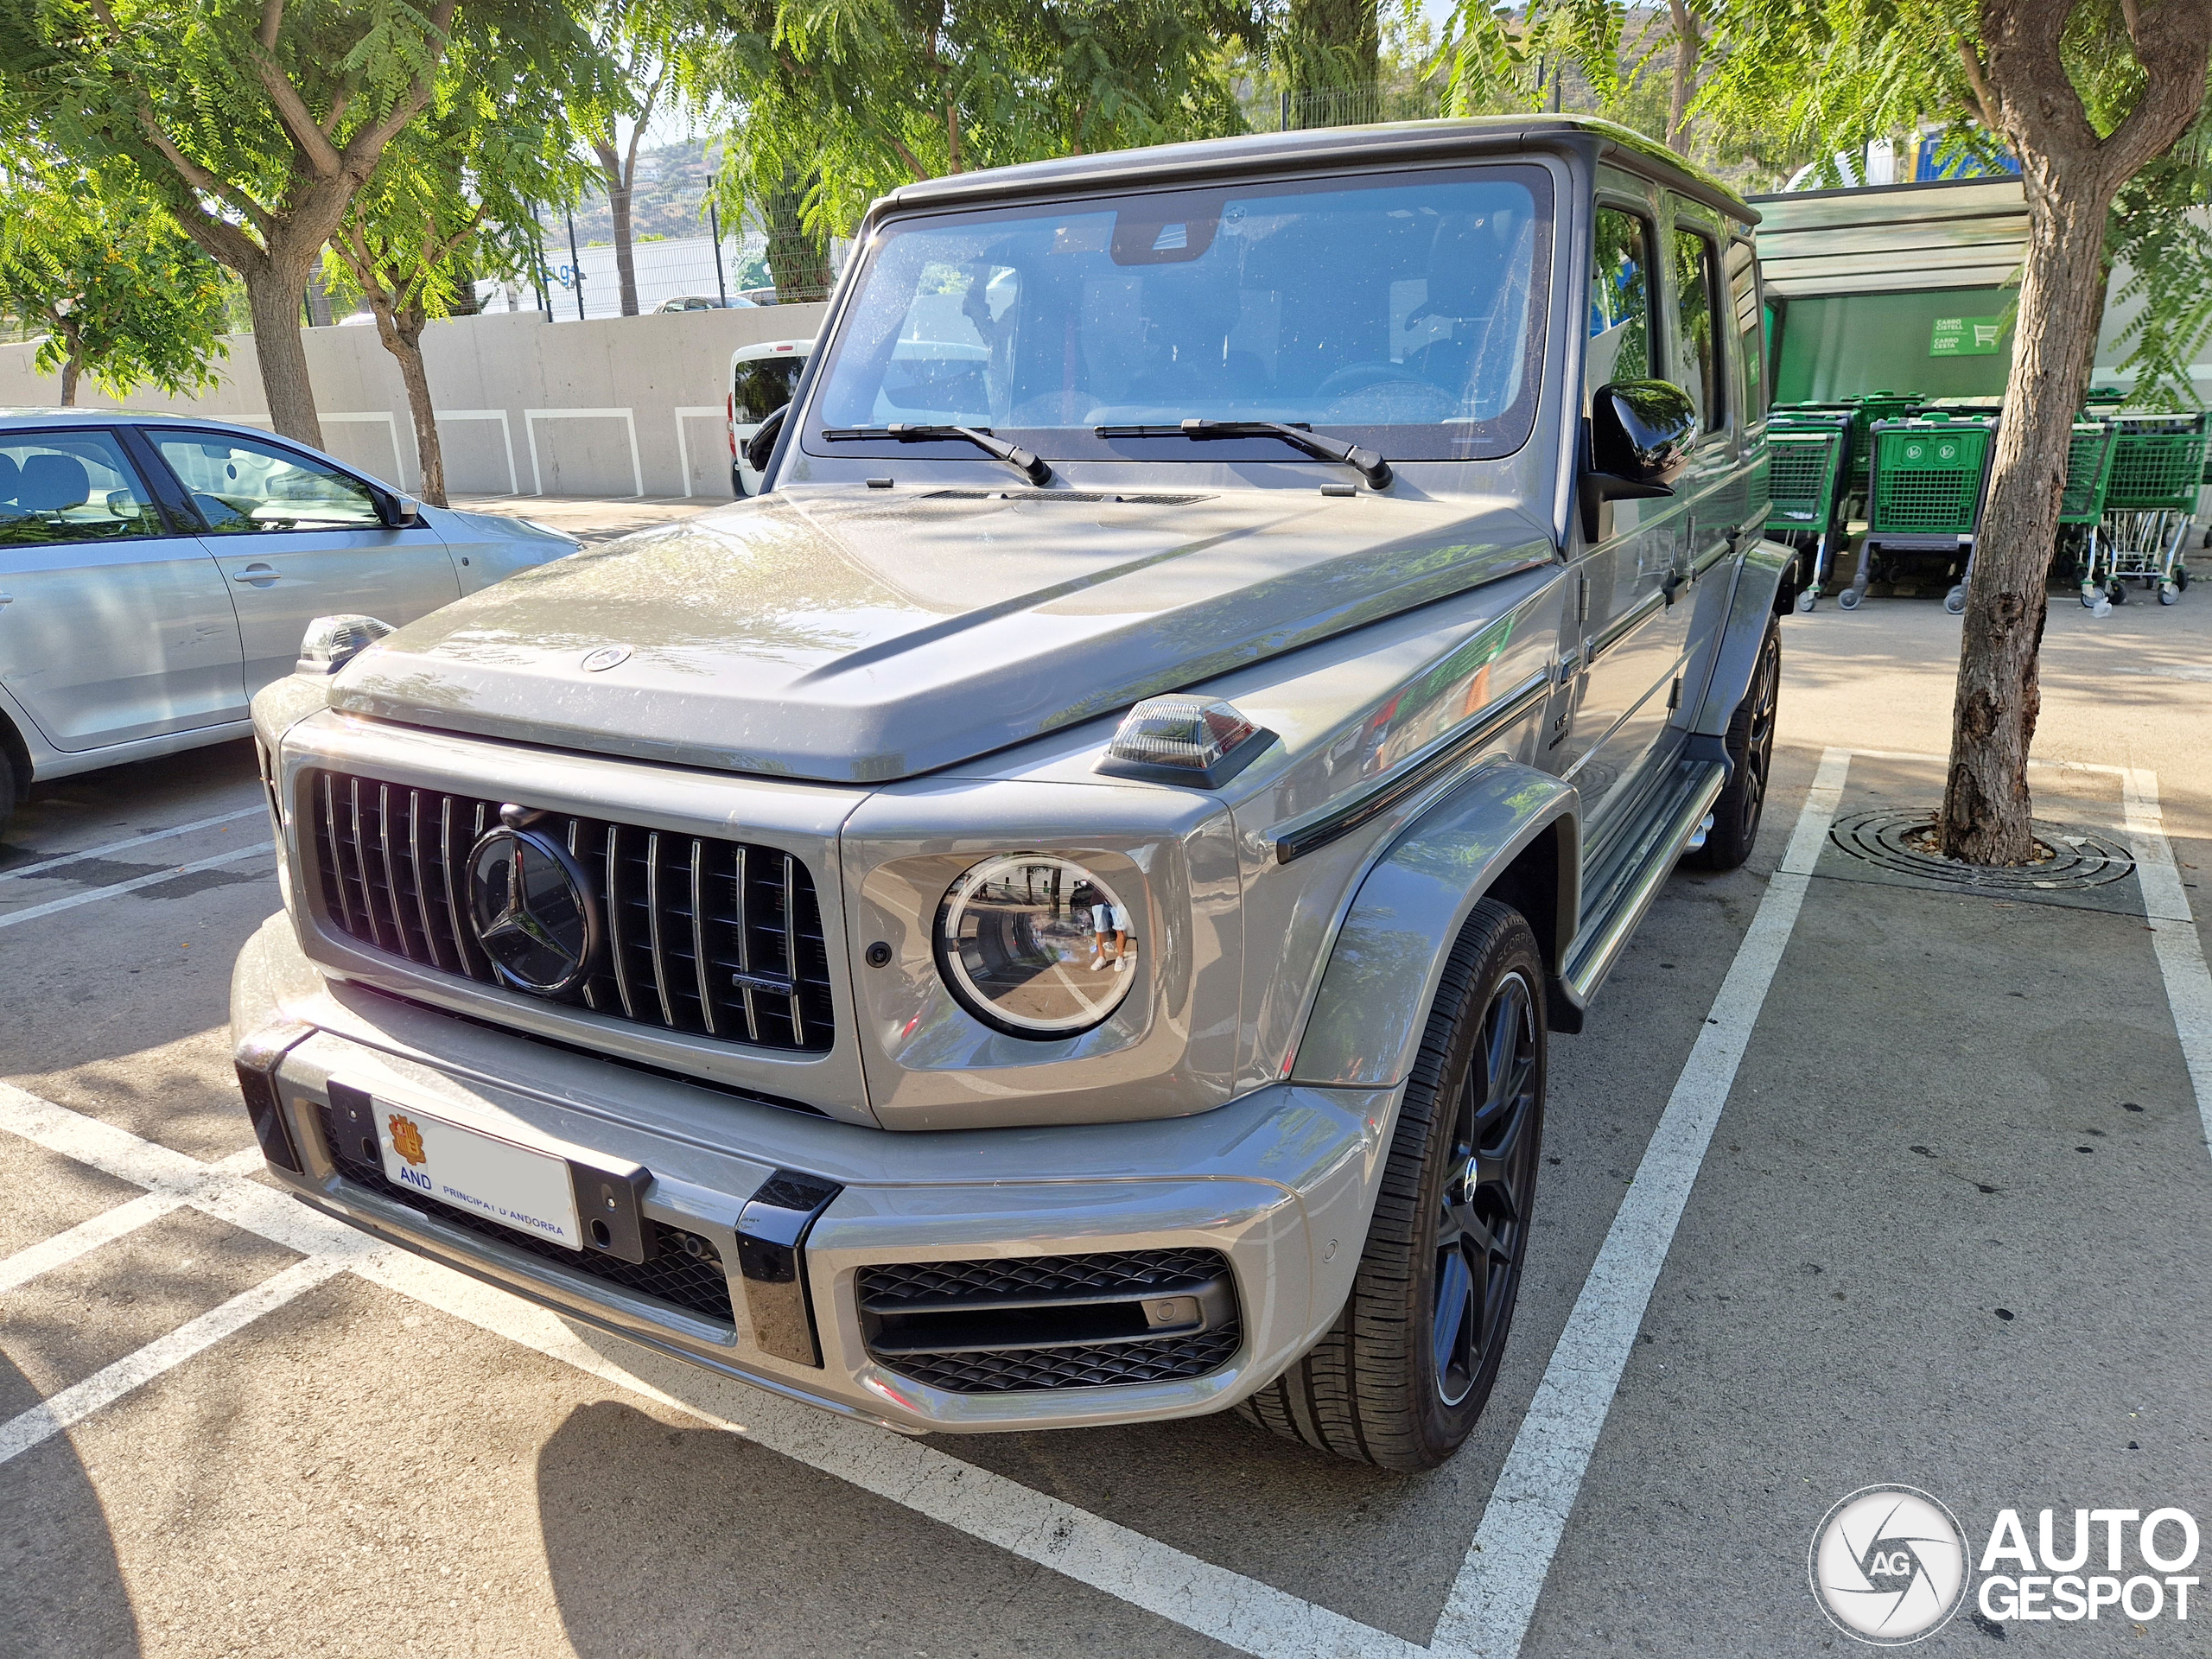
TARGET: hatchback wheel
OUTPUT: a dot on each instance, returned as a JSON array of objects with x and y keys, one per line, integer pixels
[{"x": 1403, "y": 1375}]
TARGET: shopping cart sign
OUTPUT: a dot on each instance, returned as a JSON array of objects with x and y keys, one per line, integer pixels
[{"x": 1966, "y": 337}]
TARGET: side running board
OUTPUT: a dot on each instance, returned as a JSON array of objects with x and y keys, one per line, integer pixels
[{"x": 1666, "y": 824}]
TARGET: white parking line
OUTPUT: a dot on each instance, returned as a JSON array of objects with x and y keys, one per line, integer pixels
[
  {"x": 21, "y": 870},
  {"x": 79, "y": 1400},
  {"x": 109, "y": 1225},
  {"x": 136, "y": 882},
  {"x": 1490, "y": 1605},
  {"x": 2173, "y": 935}
]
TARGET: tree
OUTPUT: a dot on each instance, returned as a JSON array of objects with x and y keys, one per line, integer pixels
[
  {"x": 633, "y": 92},
  {"x": 2087, "y": 94},
  {"x": 120, "y": 292},
  {"x": 847, "y": 99},
  {"x": 454, "y": 199},
  {"x": 255, "y": 124}
]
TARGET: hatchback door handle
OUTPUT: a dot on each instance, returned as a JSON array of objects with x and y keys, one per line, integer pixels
[
  {"x": 259, "y": 574},
  {"x": 6, "y": 600}
]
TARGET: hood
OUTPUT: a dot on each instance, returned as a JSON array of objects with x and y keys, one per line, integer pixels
[{"x": 859, "y": 638}]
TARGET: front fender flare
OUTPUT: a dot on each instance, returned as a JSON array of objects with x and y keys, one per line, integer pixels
[
  {"x": 1372, "y": 1007},
  {"x": 1757, "y": 584}
]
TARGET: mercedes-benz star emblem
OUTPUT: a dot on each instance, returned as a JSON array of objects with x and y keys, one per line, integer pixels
[{"x": 533, "y": 910}]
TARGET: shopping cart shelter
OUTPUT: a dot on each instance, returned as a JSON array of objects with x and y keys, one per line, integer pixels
[{"x": 1906, "y": 285}]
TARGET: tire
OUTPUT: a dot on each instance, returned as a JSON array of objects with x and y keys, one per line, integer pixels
[
  {"x": 1849, "y": 597},
  {"x": 1751, "y": 761},
  {"x": 8, "y": 796},
  {"x": 1462, "y": 1171}
]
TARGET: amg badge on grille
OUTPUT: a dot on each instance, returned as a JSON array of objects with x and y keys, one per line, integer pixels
[{"x": 533, "y": 910}]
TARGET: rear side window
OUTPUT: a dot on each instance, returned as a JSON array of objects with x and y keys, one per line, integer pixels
[
  {"x": 244, "y": 488},
  {"x": 1697, "y": 364},
  {"x": 763, "y": 385},
  {"x": 1750, "y": 332},
  {"x": 70, "y": 486},
  {"x": 1620, "y": 299}
]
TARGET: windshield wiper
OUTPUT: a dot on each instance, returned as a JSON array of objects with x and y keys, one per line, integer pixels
[
  {"x": 899, "y": 432},
  {"x": 1369, "y": 465}
]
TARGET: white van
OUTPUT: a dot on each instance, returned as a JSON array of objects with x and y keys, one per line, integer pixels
[{"x": 761, "y": 380}]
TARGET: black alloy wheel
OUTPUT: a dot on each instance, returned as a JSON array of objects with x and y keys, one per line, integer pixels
[
  {"x": 1742, "y": 802},
  {"x": 1402, "y": 1377},
  {"x": 1482, "y": 1220}
]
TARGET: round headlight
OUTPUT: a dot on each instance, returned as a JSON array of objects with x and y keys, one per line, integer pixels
[{"x": 1035, "y": 945}]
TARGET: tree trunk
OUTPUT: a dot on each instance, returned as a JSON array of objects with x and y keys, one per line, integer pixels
[
  {"x": 403, "y": 338},
  {"x": 625, "y": 259},
  {"x": 1986, "y": 802},
  {"x": 73, "y": 365},
  {"x": 2070, "y": 174},
  {"x": 618, "y": 210},
  {"x": 273, "y": 292},
  {"x": 1688, "y": 46}
]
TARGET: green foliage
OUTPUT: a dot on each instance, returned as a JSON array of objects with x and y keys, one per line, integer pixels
[
  {"x": 455, "y": 196},
  {"x": 852, "y": 98},
  {"x": 2157, "y": 234},
  {"x": 240, "y": 113},
  {"x": 119, "y": 292}
]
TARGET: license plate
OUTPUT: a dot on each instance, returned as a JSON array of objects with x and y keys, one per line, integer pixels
[{"x": 530, "y": 1191}]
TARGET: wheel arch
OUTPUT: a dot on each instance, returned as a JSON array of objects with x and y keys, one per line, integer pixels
[
  {"x": 1510, "y": 833},
  {"x": 1760, "y": 590},
  {"x": 14, "y": 752}
]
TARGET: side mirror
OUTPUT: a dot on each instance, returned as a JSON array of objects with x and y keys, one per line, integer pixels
[
  {"x": 403, "y": 512},
  {"x": 1642, "y": 435},
  {"x": 762, "y": 443}
]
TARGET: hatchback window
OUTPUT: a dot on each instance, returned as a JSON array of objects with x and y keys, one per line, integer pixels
[
  {"x": 242, "y": 487},
  {"x": 70, "y": 486},
  {"x": 1620, "y": 301},
  {"x": 763, "y": 385}
]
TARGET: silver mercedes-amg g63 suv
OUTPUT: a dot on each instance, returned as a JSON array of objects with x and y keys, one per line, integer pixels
[{"x": 1052, "y": 914}]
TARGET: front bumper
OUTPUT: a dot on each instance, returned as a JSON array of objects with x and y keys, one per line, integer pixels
[{"x": 1280, "y": 1182}]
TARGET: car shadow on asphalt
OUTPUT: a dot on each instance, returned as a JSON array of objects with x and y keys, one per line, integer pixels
[
  {"x": 61, "y": 1590},
  {"x": 676, "y": 1540}
]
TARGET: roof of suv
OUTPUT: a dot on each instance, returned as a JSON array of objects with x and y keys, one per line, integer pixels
[{"x": 1398, "y": 141}]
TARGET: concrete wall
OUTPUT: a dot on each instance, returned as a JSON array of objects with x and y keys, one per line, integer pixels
[{"x": 614, "y": 407}]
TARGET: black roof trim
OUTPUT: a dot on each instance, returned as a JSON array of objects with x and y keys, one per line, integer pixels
[{"x": 1434, "y": 142}]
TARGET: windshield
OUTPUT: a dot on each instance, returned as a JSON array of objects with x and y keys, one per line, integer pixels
[{"x": 1405, "y": 313}]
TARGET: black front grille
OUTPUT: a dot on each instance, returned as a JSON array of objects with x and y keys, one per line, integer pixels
[
  {"x": 1017, "y": 1369},
  {"x": 714, "y": 939},
  {"x": 1030, "y": 1290},
  {"x": 685, "y": 1270},
  {"x": 917, "y": 1286}
]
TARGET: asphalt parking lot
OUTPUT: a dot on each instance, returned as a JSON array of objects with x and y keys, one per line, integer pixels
[{"x": 1857, "y": 1178}]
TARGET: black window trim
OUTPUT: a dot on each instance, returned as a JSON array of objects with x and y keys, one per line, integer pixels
[
  {"x": 1718, "y": 304},
  {"x": 1640, "y": 208},
  {"x": 172, "y": 525},
  {"x": 387, "y": 503}
]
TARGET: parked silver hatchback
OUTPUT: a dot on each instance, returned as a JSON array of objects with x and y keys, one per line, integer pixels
[
  {"x": 156, "y": 572},
  {"x": 1053, "y": 913}
]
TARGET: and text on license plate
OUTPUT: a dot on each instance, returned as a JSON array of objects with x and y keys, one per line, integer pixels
[{"x": 530, "y": 1191}]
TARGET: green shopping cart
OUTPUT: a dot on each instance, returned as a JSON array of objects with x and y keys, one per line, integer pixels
[
  {"x": 1808, "y": 452},
  {"x": 1927, "y": 476},
  {"x": 2158, "y": 468},
  {"x": 2081, "y": 505}
]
